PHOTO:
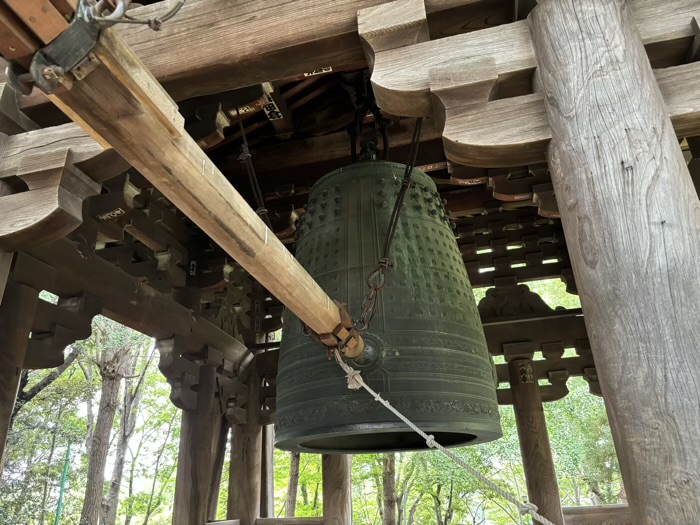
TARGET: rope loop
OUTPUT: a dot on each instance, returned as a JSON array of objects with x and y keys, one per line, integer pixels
[
  {"x": 526, "y": 508},
  {"x": 431, "y": 441}
]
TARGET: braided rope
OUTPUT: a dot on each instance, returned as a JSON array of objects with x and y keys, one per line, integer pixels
[{"x": 355, "y": 382}]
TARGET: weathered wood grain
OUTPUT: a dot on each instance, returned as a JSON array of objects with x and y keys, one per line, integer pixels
[
  {"x": 540, "y": 476},
  {"x": 45, "y": 21},
  {"x": 178, "y": 168},
  {"x": 632, "y": 222},
  {"x": 598, "y": 515},
  {"x": 192, "y": 55},
  {"x": 195, "y": 458},
  {"x": 401, "y": 77},
  {"x": 246, "y": 461},
  {"x": 515, "y": 131},
  {"x": 337, "y": 489}
]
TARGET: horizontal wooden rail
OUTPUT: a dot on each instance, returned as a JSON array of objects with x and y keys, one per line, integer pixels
[
  {"x": 598, "y": 515},
  {"x": 289, "y": 521}
]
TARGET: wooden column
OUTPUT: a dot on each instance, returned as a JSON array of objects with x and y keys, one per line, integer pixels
[
  {"x": 337, "y": 489},
  {"x": 246, "y": 459},
  {"x": 218, "y": 451},
  {"x": 16, "y": 318},
  {"x": 541, "y": 479},
  {"x": 631, "y": 217},
  {"x": 194, "y": 466},
  {"x": 267, "y": 485}
]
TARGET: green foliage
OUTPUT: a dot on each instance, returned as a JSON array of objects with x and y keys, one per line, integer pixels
[{"x": 430, "y": 489}]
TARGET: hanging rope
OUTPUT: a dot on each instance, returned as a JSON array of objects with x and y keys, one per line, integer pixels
[
  {"x": 355, "y": 382},
  {"x": 246, "y": 158}
]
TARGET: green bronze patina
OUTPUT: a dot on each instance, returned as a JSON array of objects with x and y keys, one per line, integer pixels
[{"x": 426, "y": 351}]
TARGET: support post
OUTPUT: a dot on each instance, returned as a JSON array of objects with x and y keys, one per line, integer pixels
[
  {"x": 194, "y": 465},
  {"x": 337, "y": 489},
  {"x": 246, "y": 459},
  {"x": 540, "y": 476},
  {"x": 267, "y": 486},
  {"x": 16, "y": 318},
  {"x": 218, "y": 451},
  {"x": 632, "y": 222}
]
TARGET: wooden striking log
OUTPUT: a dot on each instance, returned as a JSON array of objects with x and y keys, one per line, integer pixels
[
  {"x": 16, "y": 316},
  {"x": 540, "y": 476},
  {"x": 630, "y": 215},
  {"x": 195, "y": 458},
  {"x": 401, "y": 77},
  {"x": 337, "y": 489},
  {"x": 246, "y": 461},
  {"x": 150, "y": 135}
]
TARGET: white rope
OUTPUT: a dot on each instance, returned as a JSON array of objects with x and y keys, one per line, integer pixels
[{"x": 355, "y": 382}]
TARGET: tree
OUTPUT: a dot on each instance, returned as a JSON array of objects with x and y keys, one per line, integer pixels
[
  {"x": 110, "y": 350},
  {"x": 290, "y": 504},
  {"x": 133, "y": 391}
]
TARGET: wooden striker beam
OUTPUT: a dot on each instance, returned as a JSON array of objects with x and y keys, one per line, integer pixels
[
  {"x": 632, "y": 222},
  {"x": 149, "y": 134}
]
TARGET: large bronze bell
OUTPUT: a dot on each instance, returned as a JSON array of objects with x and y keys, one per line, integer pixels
[{"x": 426, "y": 352}]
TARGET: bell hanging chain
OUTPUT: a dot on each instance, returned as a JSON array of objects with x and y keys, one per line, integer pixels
[{"x": 377, "y": 279}]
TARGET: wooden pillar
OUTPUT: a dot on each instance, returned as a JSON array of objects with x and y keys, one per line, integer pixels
[
  {"x": 218, "y": 456},
  {"x": 337, "y": 489},
  {"x": 194, "y": 466},
  {"x": 631, "y": 217},
  {"x": 16, "y": 318},
  {"x": 246, "y": 460},
  {"x": 541, "y": 479},
  {"x": 267, "y": 485}
]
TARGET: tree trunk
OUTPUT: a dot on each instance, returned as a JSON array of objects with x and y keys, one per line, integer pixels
[
  {"x": 151, "y": 503},
  {"x": 389, "y": 489},
  {"x": 290, "y": 504},
  {"x": 414, "y": 508},
  {"x": 304, "y": 494},
  {"x": 45, "y": 495},
  {"x": 97, "y": 455},
  {"x": 130, "y": 409}
]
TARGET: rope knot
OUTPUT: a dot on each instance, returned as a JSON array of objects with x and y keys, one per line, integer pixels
[
  {"x": 354, "y": 380},
  {"x": 430, "y": 441},
  {"x": 526, "y": 508}
]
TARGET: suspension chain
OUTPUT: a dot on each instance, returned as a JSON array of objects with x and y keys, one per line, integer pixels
[
  {"x": 377, "y": 279},
  {"x": 356, "y": 382}
]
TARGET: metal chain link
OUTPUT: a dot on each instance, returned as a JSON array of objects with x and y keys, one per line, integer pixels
[
  {"x": 355, "y": 382},
  {"x": 377, "y": 279}
]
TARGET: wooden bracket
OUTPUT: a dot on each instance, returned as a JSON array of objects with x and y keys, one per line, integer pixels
[
  {"x": 392, "y": 25},
  {"x": 52, "y": 206}
]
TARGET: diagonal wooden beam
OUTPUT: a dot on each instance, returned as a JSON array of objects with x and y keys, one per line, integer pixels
[{"x": 149, "y": 134}]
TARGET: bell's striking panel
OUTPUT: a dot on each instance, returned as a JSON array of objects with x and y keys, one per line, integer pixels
[{"x": 426, "y": 351}]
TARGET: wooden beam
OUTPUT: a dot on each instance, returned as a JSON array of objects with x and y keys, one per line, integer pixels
[
  {"x": 267, "y": 483},
  {"x": 540, "y": 476},
  {"x": 515, "y": 131},
  {"x": 598, "y": 515},
  {"x": 290, "y": 521},
  {"x": 401, "y": 77},
  {"x": 151, "y": 137},
  {"x": 337, "y": 489},
  {"x": 629, "y": 211},
  {"x": 44, "y": 20},
  {"x": 192, "y": 56}
]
